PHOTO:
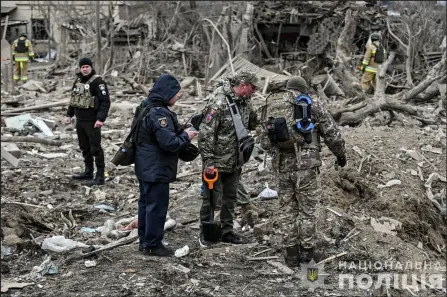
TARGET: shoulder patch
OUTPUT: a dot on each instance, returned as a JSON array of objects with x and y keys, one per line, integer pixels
[
  {"x": 211, "y": 113},
  {"x": 163, "y": 122}
]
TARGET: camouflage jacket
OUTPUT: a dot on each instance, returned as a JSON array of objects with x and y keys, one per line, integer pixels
[
  {"x": 280, "y": 104},
  {"x": 217, "y": 138}
]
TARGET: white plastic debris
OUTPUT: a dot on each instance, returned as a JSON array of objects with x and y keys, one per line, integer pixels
[
  {"x": 89, "y": 263},
  {"x": 182, "y": 251},
  {"x": 268, "y": 193},
  {"x": 170, "y": 223},
  {"x": 61, "y": 244},
  {"x": 391, "y": 183}
]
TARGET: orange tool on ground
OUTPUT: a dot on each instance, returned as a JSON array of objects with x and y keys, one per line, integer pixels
[{"x": 212, "y": 231}]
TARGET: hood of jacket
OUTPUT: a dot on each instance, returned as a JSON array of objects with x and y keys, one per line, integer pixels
[{"x": 164, "y": 89}]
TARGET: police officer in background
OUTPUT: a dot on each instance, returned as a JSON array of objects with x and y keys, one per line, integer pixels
[
  {"x": 159, "y": 141},
  {"x": 90, "y": 103}
]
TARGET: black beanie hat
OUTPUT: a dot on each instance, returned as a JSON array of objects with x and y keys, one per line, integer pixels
[{"x": 85, "y": 61}]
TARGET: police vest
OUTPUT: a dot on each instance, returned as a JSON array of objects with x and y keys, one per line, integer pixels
[
  {"x": 21, "y": 47},
  {"x": 81, "y": 96},
  {"x": 281, "y": 105}
]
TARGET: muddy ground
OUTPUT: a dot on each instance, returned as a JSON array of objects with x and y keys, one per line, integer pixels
[{"x": 352, "y": 202}]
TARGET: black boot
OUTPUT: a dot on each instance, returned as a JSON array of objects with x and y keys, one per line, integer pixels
[
  {"x": 99, "y": 178},
  {"x": 306, "y": 254},
  {"x": 292, "y": 257},
  {"x": 87, "y": 174}
]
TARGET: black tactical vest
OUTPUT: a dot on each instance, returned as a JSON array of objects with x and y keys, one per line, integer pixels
[{"x": 21, "y": 46}]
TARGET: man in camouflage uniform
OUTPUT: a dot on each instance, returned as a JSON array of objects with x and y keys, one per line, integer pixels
[
  {"x": 297, "y": 163},
  {"x": 218, "y": 146}
]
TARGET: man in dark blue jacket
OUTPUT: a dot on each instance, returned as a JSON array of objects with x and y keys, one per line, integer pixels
[{"x": 157, "y": 151}]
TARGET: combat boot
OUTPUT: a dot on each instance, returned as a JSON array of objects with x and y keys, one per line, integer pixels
[
  {"x": 292, "y": 257},
  {"x": 99, "y": 178},
  {"x": 306, "y": 254},
  {"x": 87, "y": 174},
  {"x": 245, "y": 208}
]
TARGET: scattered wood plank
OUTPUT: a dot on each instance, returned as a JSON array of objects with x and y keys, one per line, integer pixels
[
  {"x": 189, "y": 173},
  {"x": 24, "y": 204},
  {"x": 37, "y": 107},
  {"x": 262, "y": 258},
  {"x": 332, "y": 258},
  {"x": 261, "y": 252},
  {"x": 225, "y": 249},
  {"x": 123, "y": 241},
  {"x": 281, "y": 267},
  {"x": 30, "y": 139},
  {"x": 9, "y": 157}
]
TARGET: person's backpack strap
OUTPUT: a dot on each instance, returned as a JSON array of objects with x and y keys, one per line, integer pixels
[
  {"x": 241, "y": 131},
  {"x": 246, "y": 141},
  {"x": 140, "y": 116}
]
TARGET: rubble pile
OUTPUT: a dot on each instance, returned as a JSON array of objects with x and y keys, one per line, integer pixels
[{"x": 388, "y": 204}]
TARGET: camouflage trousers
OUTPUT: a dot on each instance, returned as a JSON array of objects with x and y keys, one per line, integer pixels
[
  {"x": 242, "y": 195},
  {"x": 302, "y": 189}
]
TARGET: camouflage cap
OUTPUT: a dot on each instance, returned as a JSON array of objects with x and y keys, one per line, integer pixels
[{"x": 248, "y": 77}]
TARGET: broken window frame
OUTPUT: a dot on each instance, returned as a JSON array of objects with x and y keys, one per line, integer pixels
[{"x": 38, "y": 30}]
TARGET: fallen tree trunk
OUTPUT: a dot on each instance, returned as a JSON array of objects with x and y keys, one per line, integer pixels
[
  {"x": 373, "y": 106},
  {"x": 383, "y": 102},
  {"x": 342, "y": 70},
  {"x": 437, "y": 73},
  {"x": 30, "y": 139}
]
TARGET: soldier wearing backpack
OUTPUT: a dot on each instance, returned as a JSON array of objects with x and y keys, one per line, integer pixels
[
  {"x": 292, "y": 124},
  {"x": 375, "y": 54}
]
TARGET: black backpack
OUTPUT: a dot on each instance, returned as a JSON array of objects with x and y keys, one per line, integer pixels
[
  {"x": 125, "y": 155},
  {"x": 379, "y": 57}
]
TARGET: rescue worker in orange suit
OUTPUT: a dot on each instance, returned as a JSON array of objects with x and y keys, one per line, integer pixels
[
  {"x": 22, "y": 52},
  {"x": 369, "y": 66}
]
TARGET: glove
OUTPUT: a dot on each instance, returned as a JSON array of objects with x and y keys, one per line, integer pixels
[{"x": 341, "y": 161}]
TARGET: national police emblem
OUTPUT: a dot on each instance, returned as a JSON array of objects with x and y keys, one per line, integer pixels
[{"x": 163, "y": 122}]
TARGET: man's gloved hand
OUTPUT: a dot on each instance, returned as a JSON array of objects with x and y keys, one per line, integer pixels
[{"x": 341, "y": 161}]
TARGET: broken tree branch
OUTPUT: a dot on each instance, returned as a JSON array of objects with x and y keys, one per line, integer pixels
[
  {"x": 393, "y": 35},
  {"x": 420, "y": 87},
  {"x": 135, "y": 85},
  {"x": 226, "y": 43}
]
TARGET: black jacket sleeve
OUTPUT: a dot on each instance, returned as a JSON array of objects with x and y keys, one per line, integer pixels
[{"x": 101, "y": 92}]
